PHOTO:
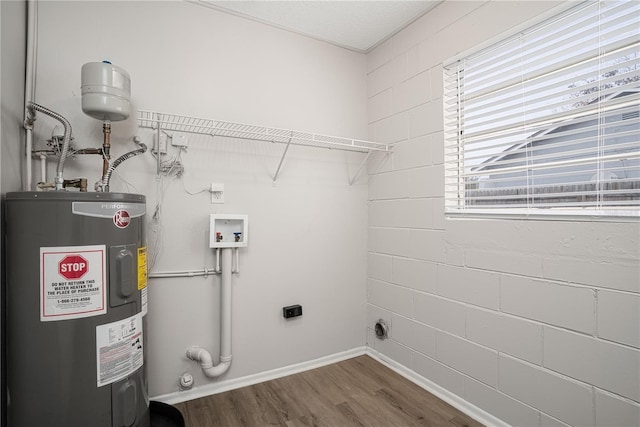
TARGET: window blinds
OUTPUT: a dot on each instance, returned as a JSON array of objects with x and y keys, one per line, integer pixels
[{"x": 547, "y": 121}]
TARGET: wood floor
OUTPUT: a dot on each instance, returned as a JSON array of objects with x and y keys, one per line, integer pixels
[{"x": 355, "y": 392}]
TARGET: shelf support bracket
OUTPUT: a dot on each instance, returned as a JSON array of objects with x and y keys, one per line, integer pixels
[
  {"x": 284, "y": 153},
  {"x": 362, "y": 163}
]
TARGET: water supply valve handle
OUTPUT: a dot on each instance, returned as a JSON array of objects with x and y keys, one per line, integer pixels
[{"x": 237, "y": 236}]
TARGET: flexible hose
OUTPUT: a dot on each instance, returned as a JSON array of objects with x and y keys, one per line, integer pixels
[
  {"x": 107, "y": 176},
  {"x": 65, "y": 140}
]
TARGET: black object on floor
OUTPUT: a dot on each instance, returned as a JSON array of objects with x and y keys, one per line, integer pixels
[{"x": 164, "y": 415}]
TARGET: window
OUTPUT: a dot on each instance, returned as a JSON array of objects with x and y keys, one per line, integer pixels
[{"x": 547, "y": 121}]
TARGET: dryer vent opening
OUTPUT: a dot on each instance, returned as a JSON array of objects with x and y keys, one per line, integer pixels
[{"x": 381, "y": 329}]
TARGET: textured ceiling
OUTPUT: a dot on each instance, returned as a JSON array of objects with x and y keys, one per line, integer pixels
[{"x": 355, "y": 25}]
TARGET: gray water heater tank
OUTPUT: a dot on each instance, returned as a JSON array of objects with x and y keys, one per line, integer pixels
[{"x": 75, "y": 302}]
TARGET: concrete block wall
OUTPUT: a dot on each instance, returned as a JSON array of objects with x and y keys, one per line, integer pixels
[{"x": 535, "y": 322}]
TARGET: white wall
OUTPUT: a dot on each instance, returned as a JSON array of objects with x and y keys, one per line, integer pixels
[
  {"x": 535, "y": 322},
  {"x": 12, "y": 67},
  {"x": 307, "y": 231}
]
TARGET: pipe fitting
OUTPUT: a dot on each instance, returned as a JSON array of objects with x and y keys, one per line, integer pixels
[
  {"x": 203, "y": 357},
  {"x": 59, "y": 180},
  {"x": 186, "y": 381}
]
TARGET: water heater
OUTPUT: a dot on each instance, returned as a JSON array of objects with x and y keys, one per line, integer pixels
[
  {"x": 76, "y": 278},
  {"x": 106, "y": 91}
]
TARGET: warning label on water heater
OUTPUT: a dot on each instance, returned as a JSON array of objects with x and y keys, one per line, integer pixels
[
  {"x": 72, "y": 282},
  {"x": 119, "y": 349}
]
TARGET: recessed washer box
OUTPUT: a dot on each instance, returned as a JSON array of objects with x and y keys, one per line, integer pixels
[{"x": 228, "y": 231}]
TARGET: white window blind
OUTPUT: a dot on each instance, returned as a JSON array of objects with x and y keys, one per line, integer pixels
[{"x": 547, "y": 121}]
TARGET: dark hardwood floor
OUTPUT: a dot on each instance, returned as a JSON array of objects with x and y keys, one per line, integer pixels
[{"x": 355, "y": 392}]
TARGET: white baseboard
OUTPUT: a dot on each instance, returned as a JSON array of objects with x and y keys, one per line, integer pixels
[
  {"x": 222, "y": 386},
  {"x": 441, "y": 393}
]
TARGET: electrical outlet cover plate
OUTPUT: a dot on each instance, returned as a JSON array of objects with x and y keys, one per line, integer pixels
[{"x": 217, "y": 193}]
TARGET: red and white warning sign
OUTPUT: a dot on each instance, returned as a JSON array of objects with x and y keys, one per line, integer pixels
[
  {"x": 72, "y": 282},
  {"x": 119, "y": 350}
]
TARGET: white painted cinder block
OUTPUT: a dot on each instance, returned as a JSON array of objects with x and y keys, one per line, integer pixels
[
  {"x": 439, "y": 313},
  {"x": 379, "y": 162},
  {"x": 476, "y": 361},
  {"x": 380, "y": 55},
  {"x": 371, "y": 86},
  {"x": 414, "y": 33},
  {"x": 612, "y": 411},
  {"x": 414, "y": 213},
  {"x": 379, "y": 106},
  {"x": 427, "y": 245},
  {"x": 606, "y": 365},
  {"x": 571, "y": 307},
  {"x": 473, "y": 286},
  {"x": 391, "y": 297},
  {"x": 400, "y": 65},
  {"x": 375, "y": 313},
  {"x": 381, "y": 79},
  {"x": 438, "y": 373},
  {"x": 517, "y": 337},
  {"x": 497, "y": 403},
  {"x": 439, "y": 220},
  {"x": 454, "y": 255},
  {"x": 619, "y": 317},
  {"x": 427, "y": 181},
  {"x": 437, "y": 148},
  {"x": 413, "y": 153},
  {"x": 437, "y": 82},
  {"x": 371, "y": 239},
  {"x": 379, "y": 267},
  {"x": 393, "y": 350},
  {"x": 412, "y": 334},
  {"x": 508, "y": 262},
  {"x": 390, "y": 130},
  {"x": 412, "y": 62},
  {"x": 429, "y": 54},
  {"x": 389, "y": 185},
  {"x": 412, "y": 92},
  {"x": 561, "y": 397},
  {"x": 622, "y": 275},
  {"x": 393, "y": 241},
  {"x": 415, "y": 274},
  {"x": 425, "y": 119},
  {"x": 549, "y": 421},
  {"x": 448, "y": 12},
  {"x": 382, "y": 213}
]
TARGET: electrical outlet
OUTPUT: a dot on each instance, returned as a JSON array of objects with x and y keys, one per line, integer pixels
[
  {"x": 163, "y": 144},
  {"x": 292, "y": 311},
  {"x": 217, "y": 193}
]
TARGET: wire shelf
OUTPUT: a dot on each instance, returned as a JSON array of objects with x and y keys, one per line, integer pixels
[{"x": 194, "y": 125}]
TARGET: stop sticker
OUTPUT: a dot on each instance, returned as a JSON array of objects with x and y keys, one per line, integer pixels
[
  {"x": 73, "y": 282},
  {"x": 73, "y": 267}
]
